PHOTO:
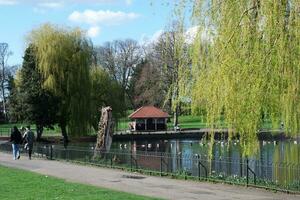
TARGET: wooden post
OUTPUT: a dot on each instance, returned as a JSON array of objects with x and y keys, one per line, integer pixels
[
  {"x": 145, "y": 124},
  {"x": 155, "y": 122}
]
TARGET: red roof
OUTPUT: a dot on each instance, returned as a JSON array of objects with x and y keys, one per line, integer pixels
[{"x": 148, "y": 112}]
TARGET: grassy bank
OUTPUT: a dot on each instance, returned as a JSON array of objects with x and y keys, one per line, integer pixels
[
  {"x": 185, "y": 122},
  {"x": 6, "y": 128},
  {"x": 19, "y": 184}
]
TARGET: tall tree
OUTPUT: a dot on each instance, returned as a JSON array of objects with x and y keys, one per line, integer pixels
[
  {"x": 147, "y": 82},
  {"x": 4, "y": 75},
  {"x": 64, "y": 57},
  {"x": 120, "y": 58},
  {"x": 39, "y": 106},
  {"x": 171, "y": 50},
  {"x": 252, "y": 70}
]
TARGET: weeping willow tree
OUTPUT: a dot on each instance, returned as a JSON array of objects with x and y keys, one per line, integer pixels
[
  {"x": 246, "y": 65},
  {"x": 64, "y": 57}
]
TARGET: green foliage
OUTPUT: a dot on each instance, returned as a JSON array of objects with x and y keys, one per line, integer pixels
[
  {"x": 64, "y": 57},
  {"x": 19, "y": 184},
  {"x": 246, "y": 67},
  {"x": 105, "y": 91},
  {"x": 31, "y": 103}
]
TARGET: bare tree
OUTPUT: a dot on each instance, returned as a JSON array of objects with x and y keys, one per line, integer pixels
[
  {"x": 170, "y": 52},
  {"x": 120, "y": 58},
  {"x": 5, "y": 73},
  {"x": 146, "y": 85}
]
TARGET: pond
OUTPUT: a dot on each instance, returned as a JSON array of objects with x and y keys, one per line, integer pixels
[{"x": 274, "y": 163}]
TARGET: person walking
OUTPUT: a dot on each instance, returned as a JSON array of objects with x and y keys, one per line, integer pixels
[
  {"x": 29, "y": 139},
  {"x": 22, "y": 130},
  {"x": 16, "y": 139}
]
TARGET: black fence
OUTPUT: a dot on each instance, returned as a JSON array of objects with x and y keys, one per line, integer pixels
[{"x": 278, "y": 176}]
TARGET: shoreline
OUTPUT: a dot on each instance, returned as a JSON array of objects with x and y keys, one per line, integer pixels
[{"x": 220, "y": 134}]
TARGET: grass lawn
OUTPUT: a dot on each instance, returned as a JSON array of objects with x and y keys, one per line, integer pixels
[
  {"x": 6, "y": 128},
  {"x": 187, "y": 121},
  {"x": 19, "y": 184}
]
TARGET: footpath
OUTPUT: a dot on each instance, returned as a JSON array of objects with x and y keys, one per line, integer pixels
[{"x": 164, "y": 188}]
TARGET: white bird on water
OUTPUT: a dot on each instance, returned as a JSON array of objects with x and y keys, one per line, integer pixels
[{"x": 295, "y": 142}]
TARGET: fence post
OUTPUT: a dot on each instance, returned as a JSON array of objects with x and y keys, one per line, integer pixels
[
  {"x": 51, "y": 152},
  {"x": 179, "y": 164},
  {"x": 199, "y": 174},
  {"x": 161, "y": 164},
  {"x": 111, "y": 161},
  {"x": 247, "y": 171},
  {"x": 130, "y": 159},
  {"x": 241, "y": 167}
]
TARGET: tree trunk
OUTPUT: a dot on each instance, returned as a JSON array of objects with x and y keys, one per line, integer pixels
[
  {"x": 105, "y": 132},
  {"x": 39, "y": 132},
  {"x": 176, "y": 113},
  {"x": 3, "y": 90},
  {"x": 63, "y": 127}
]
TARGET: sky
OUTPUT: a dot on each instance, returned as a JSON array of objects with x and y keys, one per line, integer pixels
[{"x": 103, "y": 20}]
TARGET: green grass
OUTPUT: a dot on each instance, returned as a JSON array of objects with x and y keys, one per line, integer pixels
[
  {"x": 188, "y": 122},
  {"x": 5, "y": 129},
  {"x": 185, "y": 122},
  {"x": 19, "y": 184},
  {"x": 56, "y": 131}
]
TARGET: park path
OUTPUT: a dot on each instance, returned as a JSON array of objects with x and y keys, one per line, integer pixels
[{"x": 145, "y": 185}]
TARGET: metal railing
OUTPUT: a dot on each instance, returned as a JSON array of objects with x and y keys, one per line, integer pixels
[{"x": 278, "y": 176}]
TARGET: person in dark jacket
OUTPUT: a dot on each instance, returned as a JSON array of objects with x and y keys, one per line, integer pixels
[
  {"x": 29, "y": 139},
  {"x": 16, "y": 140}
]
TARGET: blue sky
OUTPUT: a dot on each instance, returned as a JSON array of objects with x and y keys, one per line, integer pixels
[{"x": 104, "y": 20}]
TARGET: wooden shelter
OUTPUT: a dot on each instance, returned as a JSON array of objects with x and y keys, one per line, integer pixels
[{"x": 149, "y": 118}]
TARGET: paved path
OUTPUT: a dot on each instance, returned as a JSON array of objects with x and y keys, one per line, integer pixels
[{"x": 146, "y": 185}]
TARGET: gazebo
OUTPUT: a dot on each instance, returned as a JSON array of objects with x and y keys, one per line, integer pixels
[{"x": 148, "y": 118}]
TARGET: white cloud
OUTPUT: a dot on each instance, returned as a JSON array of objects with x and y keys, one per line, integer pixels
[
  {"x": 191, "y": 34},
  {"x": 102, "y": 17},
  {"x": 51, "y": 5},
  {"x": 8, "y": 2},
  {"x": 93, "y": 31},
  {"x": 146, "y": 39},
  {"x": 156, "y": 35}
]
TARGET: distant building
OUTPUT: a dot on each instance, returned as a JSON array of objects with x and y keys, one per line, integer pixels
[{"x": 148, "y": 118}]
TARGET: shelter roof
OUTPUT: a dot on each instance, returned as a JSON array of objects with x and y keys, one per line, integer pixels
[{"x": 148, "y": 112}]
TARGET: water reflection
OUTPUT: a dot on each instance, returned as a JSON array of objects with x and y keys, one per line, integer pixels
[{"x": 275, "y": 161}]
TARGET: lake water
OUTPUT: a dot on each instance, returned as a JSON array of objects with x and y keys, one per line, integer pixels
[{"x": 275, "y": 162}]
